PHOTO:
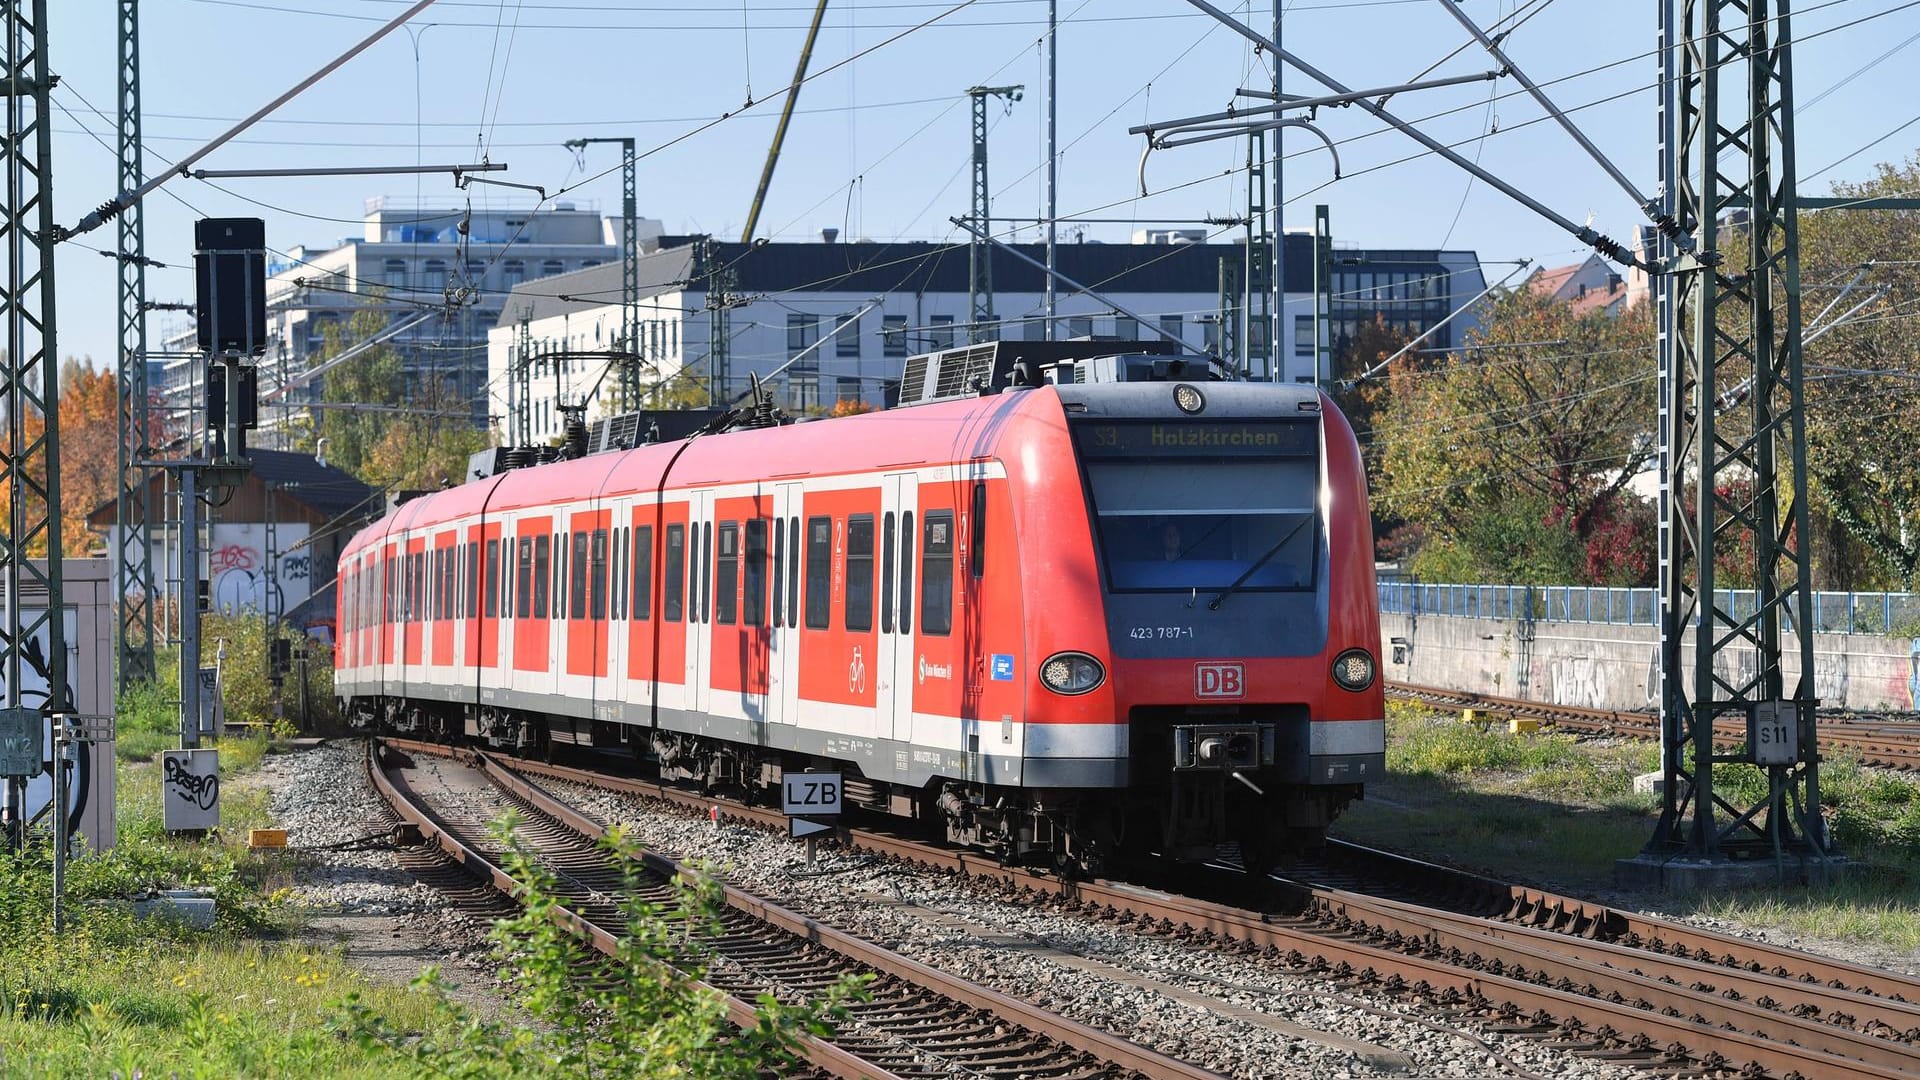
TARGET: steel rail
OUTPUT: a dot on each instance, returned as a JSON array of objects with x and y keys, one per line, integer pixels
[
  {"x": 1642, "y": 1031},
  {"x": 1115, "y": 1050},
  {"x": 1878, "y": 747},
  {"x": 819, "y": 1053},
  {"x": 1088, "y": 1040},
  {"x": 1778, "y": 1007}
]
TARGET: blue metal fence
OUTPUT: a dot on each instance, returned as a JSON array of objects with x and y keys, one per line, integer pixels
[{"x": 1833, "y": 612}]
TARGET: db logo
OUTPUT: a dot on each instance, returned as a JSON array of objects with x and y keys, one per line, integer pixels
[{"x": 1219, "y": 680}]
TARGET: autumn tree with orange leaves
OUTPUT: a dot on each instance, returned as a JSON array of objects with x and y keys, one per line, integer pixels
[{"x": 89, "y": 455}]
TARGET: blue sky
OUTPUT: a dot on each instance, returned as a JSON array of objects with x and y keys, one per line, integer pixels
[{"x": 880, "y": 148}]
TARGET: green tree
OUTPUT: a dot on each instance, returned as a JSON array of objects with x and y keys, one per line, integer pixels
[
  {"x": 1516, "y": 455},
  {"x": 1860, "y": 369}
]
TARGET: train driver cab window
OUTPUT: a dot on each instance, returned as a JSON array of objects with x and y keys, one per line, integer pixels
[
  {"x": 936, "y": 574},
  {"x": 1204, "y": 505},
  {"x": 542, "y": 573},
  {"x": 675, "y": 563},
  {"x": 643, "y": 572},
  {"x": 977, "y": 525},
  {"x": 859, "y": 603},
  {"x": 819, "y": 571},
  {"x": 726, "y": 595}
]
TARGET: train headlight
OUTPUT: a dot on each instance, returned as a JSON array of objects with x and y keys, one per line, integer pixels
[
  {"x": 1188, "y": 399},
  {"x": 1353, "y": 669},
  {"x": 1072, "y": 673}
]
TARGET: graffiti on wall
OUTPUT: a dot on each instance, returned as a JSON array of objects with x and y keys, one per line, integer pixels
[{"x": 1582, "y": 681}]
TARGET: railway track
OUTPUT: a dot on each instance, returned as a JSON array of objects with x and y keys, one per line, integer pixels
[
  {"x": 1886, "y": 744},
  {"x": 918, "y": 1022},
  {"x": 1665, "y": 996}
]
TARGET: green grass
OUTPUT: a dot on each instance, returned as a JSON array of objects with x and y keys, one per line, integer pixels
[
  {"x": 136, "y": 997},
  {"x": 1552, "y": 809}
]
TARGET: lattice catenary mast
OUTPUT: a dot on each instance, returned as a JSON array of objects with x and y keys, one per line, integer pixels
[
  {"x": 1732, "y": 480},
  {"x": 979, "y": 254},
  {"x": 134, "y": 585}
]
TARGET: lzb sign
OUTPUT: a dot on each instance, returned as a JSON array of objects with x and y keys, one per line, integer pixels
[{"x": 807, "y": 796}]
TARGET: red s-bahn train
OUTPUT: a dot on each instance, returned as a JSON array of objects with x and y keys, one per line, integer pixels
[{"x": 1074, "y": 620}]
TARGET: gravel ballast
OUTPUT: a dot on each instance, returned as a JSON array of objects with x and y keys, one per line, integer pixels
[{"x": 1224, "y": 1012}]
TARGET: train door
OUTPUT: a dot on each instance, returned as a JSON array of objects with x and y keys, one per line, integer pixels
[
  {"x": 699, "y": 600},
  {"x": 895, "y": 663},
  {"x": 783, "y": 653}
]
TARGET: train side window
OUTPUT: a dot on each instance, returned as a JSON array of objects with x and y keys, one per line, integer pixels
[
  {"x": 906, "y": 571},
  {"x": 675, "y": 561},
  {"x": 597, "y": 586},
  {"x": 446, "y": 582},
  {"x": 706, "y": 572},
  {"x": 542, "y": 573},
  {"x": 977, "y": 547},
  {"x": 729, "y": 558},
  {"x": 616, "y": 574},
  {"x": 859, "y": 599},
  {"x": 793, "y": 571},
  {"x": 579, "y": 566},
  {"x": 643, "y": 572},
  {"x": 936, "y": 574},
  {"x": 693, "y": 572},
  {"x": 754, "y": 589},
  {"x": 819, "y": 571},
  {"x": 491, "y": 606},
  {"x": 779, "y": 571},
  {"x": 886, "y": 573},
  {"x": 473, "y": 581},
  {"x": 560, "y": 575}
]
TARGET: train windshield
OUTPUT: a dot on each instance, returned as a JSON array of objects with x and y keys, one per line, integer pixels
[{"x": 1204, "y": 505}]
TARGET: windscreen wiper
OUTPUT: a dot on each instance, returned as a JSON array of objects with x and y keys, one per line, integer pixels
[{"x": 1214, "y": 604}]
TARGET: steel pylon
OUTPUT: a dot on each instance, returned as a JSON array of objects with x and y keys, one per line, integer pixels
[
  {"x": 29, "y": 388},
  {"x": 133, "y": 582},
  {"x": 1734, "y": 568},
  {"x": 979, "y": 253}
]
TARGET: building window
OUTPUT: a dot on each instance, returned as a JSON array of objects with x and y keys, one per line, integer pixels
[
  {"x": 1035, "y": 330},
  {"x": 1080, "y": 327},
  {"x": 804, "y": 391},
  {"x": 1127, "y": 329},
  {"x": 940, "y": 332},
  {"x": 893, "y": 335},
  {"x": 1303, "y": 342},
  {"x": 552, "y": 267},
  {"x": 1210, "y": 334},
  {"x": 1257, "y": 329},
  {"x": 846, "y": 340},
  {"x": 435, "y": 276},
  {"x": 1170, "y": 324},
  {"x": 396, "y": 272},
  {"x": 802, "y": 332},
  {"x": 513, "y": 272},
  {"x": 476, "y": 272},
  {"x": 584, "y": 263}
]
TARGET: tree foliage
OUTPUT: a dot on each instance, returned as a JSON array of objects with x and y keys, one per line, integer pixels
[
  {"x": 414, "y": 435},
  {"x": 1514, "y": 458},
  {"x": 1860, "y": 372}
]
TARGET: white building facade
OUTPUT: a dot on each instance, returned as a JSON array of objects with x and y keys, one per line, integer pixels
[
  {"x": 832, "y": 322},
  {"x": 437, "y": 277}
]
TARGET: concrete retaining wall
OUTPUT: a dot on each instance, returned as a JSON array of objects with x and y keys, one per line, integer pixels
[{"x": 1597, "y": 665}]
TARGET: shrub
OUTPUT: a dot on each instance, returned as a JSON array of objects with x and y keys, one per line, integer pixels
[{"x": 636, "y": 1014}]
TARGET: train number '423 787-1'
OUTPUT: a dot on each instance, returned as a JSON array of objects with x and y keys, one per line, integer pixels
[{"x": 1156, "y": 633}]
